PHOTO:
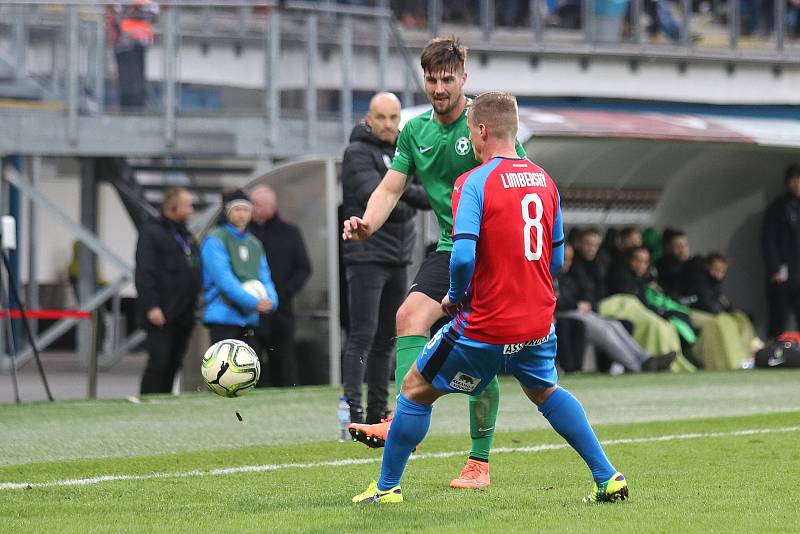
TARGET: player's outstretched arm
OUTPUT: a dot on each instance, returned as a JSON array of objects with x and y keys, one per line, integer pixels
[{"x": 380, "y": 206}]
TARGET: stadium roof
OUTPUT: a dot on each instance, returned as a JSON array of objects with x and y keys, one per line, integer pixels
[{"x": 647, "y": 125}]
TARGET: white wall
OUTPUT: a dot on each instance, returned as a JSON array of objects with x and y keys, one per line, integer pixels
[{"x": 61, "y": 185}]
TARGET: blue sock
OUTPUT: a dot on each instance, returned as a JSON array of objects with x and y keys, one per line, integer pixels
[
  {"x": 567, "y": 417},
  {"x": 409, "y": 426}
]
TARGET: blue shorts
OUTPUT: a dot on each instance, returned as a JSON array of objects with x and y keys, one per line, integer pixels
[{"x": 453, "y": 363}]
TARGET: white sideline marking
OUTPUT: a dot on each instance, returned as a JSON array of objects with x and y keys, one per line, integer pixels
[{"x": 360, "y": 461}]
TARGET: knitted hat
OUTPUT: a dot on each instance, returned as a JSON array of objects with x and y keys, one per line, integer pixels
[{"x": 235, "y": 198}]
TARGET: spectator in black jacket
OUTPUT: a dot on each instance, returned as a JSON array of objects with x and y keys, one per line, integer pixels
[
  {"x": 168, "y": 283},
  {"x": 781, "y": 246},
  {"x": 672, "y": 274},
  {"x": 375, "y": 268},
  {"x": 586, "y": 269},
  {"x": 705, "y": 283},
  {"x": 633, "y": 276},
  {"x": 291, "y": 269}
]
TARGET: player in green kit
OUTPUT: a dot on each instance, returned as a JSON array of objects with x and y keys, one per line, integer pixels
[{"x": 435, "y": 146}]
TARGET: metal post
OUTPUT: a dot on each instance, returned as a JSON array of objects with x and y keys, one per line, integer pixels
[
  {"x": 780, "y": 24},
  {"x": 686, "y": 34},
  {"x": 537, "y": 26},
  {"x": 91, "y": 389},
  {"x": 168, "y": 83},
  {"x": 116, "y": 313},
  {"x": 408, "y": 89},
  {"x": 273, "y": 104},
  {"x": 734, "y": 22},
  {"x": 312, "y": 27},
  {"x": 55, "y": 63},
  {"x": 636, "y": 21},
  {"x": 588, "y": 20},
  {"x": 245, "y": 12},
  {"x": 34, "y": 165},
  {"x": 3, "y": 202},
  {"x": 332, "y": 223},
  {"x": 434, "y": 16},
  {"x": 73, "y": 64},
  {"x": 383, "y": 48},
  {"x": 100, "y": 64},
  {"x": 487, "y": 18},
  {"x": 346, "y": 89},
  {"x": 87, "y": 267},
  {"x": 20, "y": 41}
]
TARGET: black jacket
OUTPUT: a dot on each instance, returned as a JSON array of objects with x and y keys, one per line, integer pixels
[
  {"x": 569, "y": 293},
  {"x": 706, "y": 291},
  {"x": 287, "y": 258},
  {"x": 780, "y": 237},
  {"x": 167, "y": 269},
  {"x": 622, "y": 280},
  {"x": 590, "y": 279},
  {"x": 672, "y": 276},
  {"x": 365, "y": 162}
]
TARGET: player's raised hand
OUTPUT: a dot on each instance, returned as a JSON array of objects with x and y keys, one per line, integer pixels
[
  {"x": 355, "y": 229},
  {"x": 448, "y": 307}
]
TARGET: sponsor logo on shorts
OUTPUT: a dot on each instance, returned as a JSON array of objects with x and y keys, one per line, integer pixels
[
  {"x": 464, "y": 383},
  {"x": 516, "y": 347}
]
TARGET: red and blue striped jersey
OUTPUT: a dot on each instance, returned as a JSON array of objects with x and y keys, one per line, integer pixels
[{"x": 511, "y": 209}]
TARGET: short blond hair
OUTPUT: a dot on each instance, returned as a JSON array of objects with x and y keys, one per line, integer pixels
[{"x": 498, "y": 111}]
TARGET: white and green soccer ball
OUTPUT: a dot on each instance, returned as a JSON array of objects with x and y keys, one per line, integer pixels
[{"x": 230, "y": 368}]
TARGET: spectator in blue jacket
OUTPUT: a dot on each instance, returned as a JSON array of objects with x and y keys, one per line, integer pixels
[{"x": 231, "y": 256}]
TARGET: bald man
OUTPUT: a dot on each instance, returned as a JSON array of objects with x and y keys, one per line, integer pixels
[
  {"x": 375, "y": 269},
  {"x": 291, "y": 269}
]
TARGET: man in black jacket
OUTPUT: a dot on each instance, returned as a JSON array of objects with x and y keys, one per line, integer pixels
[
  {"x": 168, "y": 282},
  {"x": 674, "y": 268},
  {"x": 705, "y": 277},
  {"x": 375, "y": 268},
  {"x": 586, "y": 269},
  {"x": 781, "y": 245},
  {"x": 291, "y": 269}
]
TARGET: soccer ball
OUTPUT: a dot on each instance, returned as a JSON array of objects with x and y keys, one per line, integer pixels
[
  {"x": 255, "y": 288},
  {"x": 230, "y": 368}
]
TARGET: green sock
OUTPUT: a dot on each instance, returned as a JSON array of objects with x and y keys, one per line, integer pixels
[
  {"x": 482, "y": 417},
  {"x": 408, "y": 348}
]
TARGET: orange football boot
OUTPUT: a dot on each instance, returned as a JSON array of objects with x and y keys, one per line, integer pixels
[
  {"x": 475, "y": 475},
  {"x": 373, "y": 436}
]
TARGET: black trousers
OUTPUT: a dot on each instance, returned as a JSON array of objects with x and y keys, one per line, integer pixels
[
  {"x": 375, "y": 293},
  {"x": 782, "y": 301},
  {"x": 166, "y": 347},
  {"x": 276, "y": 338},
  {"x": 571, "y": 345},
  {"x": 131, "y": 77},
  {"x": 218, "y": 332}
]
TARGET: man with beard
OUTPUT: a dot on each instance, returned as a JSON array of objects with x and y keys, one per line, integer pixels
[{"x": 436, "y": 146}]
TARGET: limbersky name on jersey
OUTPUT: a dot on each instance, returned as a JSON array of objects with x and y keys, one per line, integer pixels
[{"x": 523, "y": 179}]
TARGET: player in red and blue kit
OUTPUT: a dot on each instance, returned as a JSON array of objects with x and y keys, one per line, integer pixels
[{"x": 507, "y": 245}]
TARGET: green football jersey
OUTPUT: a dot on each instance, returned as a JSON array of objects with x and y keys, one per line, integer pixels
[{"x": 437, "y": 154}]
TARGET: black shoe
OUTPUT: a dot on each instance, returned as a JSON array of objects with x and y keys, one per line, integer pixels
[
  {"x": 374, "y": 417},
  {"x": 356, "y": 414},
  {"x": 659, "y": 363}
]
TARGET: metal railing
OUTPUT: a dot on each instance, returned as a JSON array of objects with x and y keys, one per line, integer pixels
[{"x": 80, "y": 55}]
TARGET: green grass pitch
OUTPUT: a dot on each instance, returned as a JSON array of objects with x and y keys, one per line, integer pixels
[{"x": 707, "y": 452}]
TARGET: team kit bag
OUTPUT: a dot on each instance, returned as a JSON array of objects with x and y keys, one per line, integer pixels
[{"x": 783, "y": 352}]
